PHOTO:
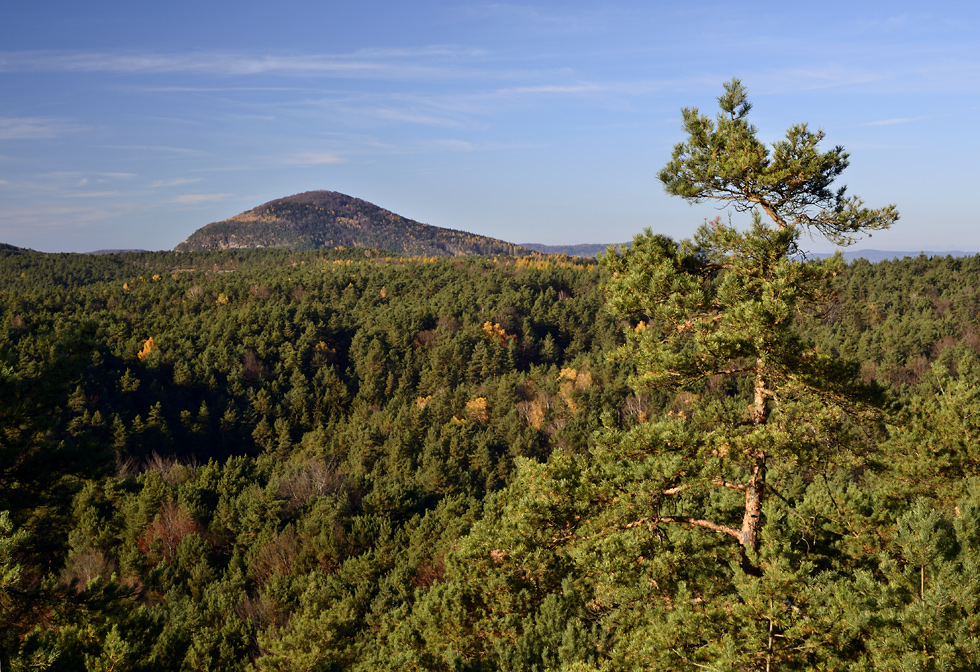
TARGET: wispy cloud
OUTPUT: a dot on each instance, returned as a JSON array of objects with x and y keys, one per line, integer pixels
[
  {"x": 67, "y": 184},
  {"x": 214, "y": 89},
  {"x": 194, "y": 199},
  {"x": 425, "y": 62},
  {"x": 35, "y": 128},
  {"x": 430, "y": 51},
  {"x": 955, "y": 72},
  {"x": 94, "y": 194},
  {"x": 160, "y": 184},
  {"x": 574, "y": 89},
  {"x": 893, "y": 122},
  {"x": 49, "y": 217},
  {"x": 453, "y": 145},
  {"x": 23, "y": 223},
  {"x": 893, "y": 23},
  {"x": 159, "y": 148},
  {"x": 464, "y": 108},
  {"x": 312, "y": 159},
  {"x": 824, "y": 76},
  {"x": 413, "y": 117}
]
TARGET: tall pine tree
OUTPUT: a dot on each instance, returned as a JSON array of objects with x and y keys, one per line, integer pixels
[{"x": 714, "y": 322}]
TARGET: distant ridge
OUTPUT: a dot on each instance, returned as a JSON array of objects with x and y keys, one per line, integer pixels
[
  {"x": 98, "y": 252},
  {"x": 327, "y": 219},
  {"x": 583, "y": 250},
  {"x": 885, "y": 255},
  {"x": 592, "y": 250}
]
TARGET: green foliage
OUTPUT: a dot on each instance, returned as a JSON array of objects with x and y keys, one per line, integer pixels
[
  {"x": 327, "y": 460},
  {"x": 756, "y": 436},
  {"x": 716, "y": 321},
  {"x": 297, "y": 458},
  {"x": 791, "y": 183},
  {"x": 11, "y": 583},
  {"x": 750, "y": 399}
]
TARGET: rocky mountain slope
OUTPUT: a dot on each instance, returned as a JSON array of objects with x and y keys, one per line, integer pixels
[{"x": 327, "y": 219}]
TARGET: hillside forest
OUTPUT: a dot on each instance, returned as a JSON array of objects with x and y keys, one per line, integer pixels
[{"x": 712, "y": 453}]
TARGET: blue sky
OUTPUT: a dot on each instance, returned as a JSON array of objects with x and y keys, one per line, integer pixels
[{"x": 130, "y": 125}]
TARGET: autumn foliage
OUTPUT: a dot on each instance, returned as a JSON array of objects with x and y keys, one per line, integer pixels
[{"x": 149, "y": 348}]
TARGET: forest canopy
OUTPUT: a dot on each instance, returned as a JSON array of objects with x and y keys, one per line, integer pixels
[
  {"x": 700, "y": 454},
  {"x": 350, "y": 458}
]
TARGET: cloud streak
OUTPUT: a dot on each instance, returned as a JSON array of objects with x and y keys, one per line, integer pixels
[
  {"x": 893, "y": 122},
  {"x": 368, "y": 64},
  {"x": 194, "y": 199},
  {"x": 312, "y": 159},
  {"x": 160, "y": 149},
  {"x": 35, "y": 128},
  {"x": 95, "y": 194},
  {"x": 180, "y": 181}
]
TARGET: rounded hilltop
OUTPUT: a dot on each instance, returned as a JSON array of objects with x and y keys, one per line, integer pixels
[{"x": 328, "y": 219}]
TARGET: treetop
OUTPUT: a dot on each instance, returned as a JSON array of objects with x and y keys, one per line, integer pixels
[{"x": 791, "y": 181}]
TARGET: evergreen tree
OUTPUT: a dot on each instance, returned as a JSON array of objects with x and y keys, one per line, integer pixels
[
  {"x": 715, "y": 322},
  {"x": 723, "y": 160},
  {"x": 11, "y": 597}
]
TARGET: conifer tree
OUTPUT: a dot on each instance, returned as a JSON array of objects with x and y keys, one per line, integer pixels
[
  {"x": 715, "y": 325},
  {"x": 791, "y": 183}
]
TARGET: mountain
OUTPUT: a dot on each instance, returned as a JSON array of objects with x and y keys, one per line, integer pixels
[{"x": 327, "y": 219}]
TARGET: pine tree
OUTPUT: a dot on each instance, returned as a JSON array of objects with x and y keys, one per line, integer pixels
[
  {"x": 723, "y": 160},
  {"x": 715, "y": 325}
]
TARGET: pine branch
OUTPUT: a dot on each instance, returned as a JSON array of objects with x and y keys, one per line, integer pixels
[
  {"x": 716, "y": 481},
  {"x": 653, "y": 521}
]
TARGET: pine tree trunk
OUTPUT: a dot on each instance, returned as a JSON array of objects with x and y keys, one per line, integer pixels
[
  {"x": 748, "y": 536},
  {"x": 756, "y": 486}
]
